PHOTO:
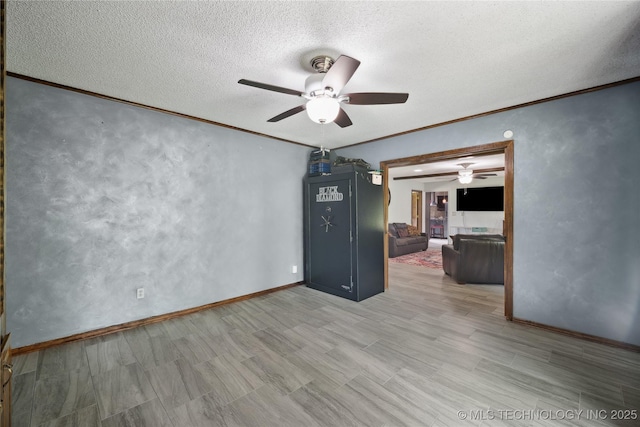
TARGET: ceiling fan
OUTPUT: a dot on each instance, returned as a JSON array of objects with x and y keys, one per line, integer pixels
[
  {"x": 322, "y": 92},
  {"x": 465, "y": 176}
]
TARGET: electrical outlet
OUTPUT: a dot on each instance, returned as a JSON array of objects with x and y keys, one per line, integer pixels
[
  {"x": 294, "y": 269},
  {"x": 140, "y": 293}
]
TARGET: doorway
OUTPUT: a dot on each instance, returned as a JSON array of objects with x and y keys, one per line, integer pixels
[
  {"x": 438, "y": 215},
  {"x": 504, "y": 147},
  {"x": 416, "y": 209}
]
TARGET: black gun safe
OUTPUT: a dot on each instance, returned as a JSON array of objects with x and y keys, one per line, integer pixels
[{"x": 344, "y": 232}]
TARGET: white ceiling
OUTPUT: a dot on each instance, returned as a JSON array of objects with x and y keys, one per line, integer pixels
[
  {"x": 477, "y": 164},
  {"x": 455, "y": 59}
]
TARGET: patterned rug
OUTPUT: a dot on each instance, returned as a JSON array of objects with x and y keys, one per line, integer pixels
[{"x": 431, "y": 258}]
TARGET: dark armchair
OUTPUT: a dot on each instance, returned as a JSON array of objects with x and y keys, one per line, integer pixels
[{"x": 475, "y": 258}]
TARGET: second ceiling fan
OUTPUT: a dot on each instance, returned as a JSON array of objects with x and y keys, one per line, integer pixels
[
  {"x": 465, "y": 176},
  {"x": 322, "y": 92}
]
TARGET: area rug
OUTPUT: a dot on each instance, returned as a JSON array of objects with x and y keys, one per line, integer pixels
[{"x": 431, "y": 258}]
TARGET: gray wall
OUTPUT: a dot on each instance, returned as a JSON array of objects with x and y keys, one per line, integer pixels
[
  {"x": 576, "y": 207},
  {"x": 104, "y": 198}
]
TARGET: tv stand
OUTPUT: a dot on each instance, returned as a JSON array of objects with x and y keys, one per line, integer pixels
[{"x": 453, "y": 230}]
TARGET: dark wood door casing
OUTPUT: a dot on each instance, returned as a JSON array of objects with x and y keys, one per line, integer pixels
[
  {"x": 505, "y": 147},
  {"x": 5, "y": 343}
]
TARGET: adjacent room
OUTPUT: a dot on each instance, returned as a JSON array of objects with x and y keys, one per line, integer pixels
[{"x": 244, "y": 213}]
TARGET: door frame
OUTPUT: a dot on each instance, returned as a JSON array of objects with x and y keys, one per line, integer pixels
[
  {"x": 418, "y": 208},
  {"x": 499, "y": 147}
]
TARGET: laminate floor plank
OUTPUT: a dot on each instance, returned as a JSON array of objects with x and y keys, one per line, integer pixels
[
  {"x": 25, "y": 363},
  {"x": 530, "y": 383},
  {"x": 465, "y": 319},
  {"x": 85, "y": 417},
  {"x": 403, "y": 329},
  {"x": 277, "y": 371},
  {"x": 201, "y": 412},
  {"x": 579, "y": 365},
  {"x": 278, "y": 342},
  {"x": 413, "y": 356},
  {"x": 153, "y": 351},
  {"x": 483, "y": 348},
  {"x": 497, "y": 393},
  {"x": 228, "y": 379},
  {"x": 436, "y": 353},
  {"x": 434, "y": 398},
  {"x": 327, "y": 408},
  {"x": 197, "y": 347},
  {"x": 242, "y": 344},
  {"x": 387, "y": 331},
  {"x": 322, "y": 368},
  {"x": 265, "y": 407},
  {"x": 317, "y": 338},
  {"x": 503, "y": 343},
  {"x": 22, "y": 391},
  {"x": 542, "y": 339},
  {"x": 148, "y": 414},
  {"x": 59, "y": 395},
  {"x": 604, "y": 387},
  {"x": 179, "y": 327},
  {"x": 387, "y": 407},
  {"x": 352, "y": 334},
  {"x": 56, "y": 360},
  {"x": 393, "y": 356},
  {"x": 277, "y": 320},
  {"x": 210, "y": 322},
  {"x": 549, "y": 418},
  {"x": 122, "y": 388},
  {"x": 245, "y": 322},
  {"x": 357, "y": 361},
  {"x": 334, "y": 314},
  {"x": 433, "y": 322},
  {"x": 177, "y": 382},
  {"x": 104, "y": 355},
  {"x": 631, "y": 396}
]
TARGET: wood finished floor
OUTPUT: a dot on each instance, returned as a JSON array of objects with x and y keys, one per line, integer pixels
[{"x": 412, "y": 356}]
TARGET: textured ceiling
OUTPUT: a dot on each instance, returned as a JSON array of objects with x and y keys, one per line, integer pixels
[{"x": 455, "y": 59}]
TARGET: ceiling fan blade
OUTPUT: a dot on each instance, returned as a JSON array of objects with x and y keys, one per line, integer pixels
[
  {"x": 343, "y": 119},
  {"x": 340, "y": 73},
  {"x": 484, "y": 174},
  {"x": 288, "y": 113},
  {"x": 373, "y": 98},
  {"x": 270, "y": 87}
]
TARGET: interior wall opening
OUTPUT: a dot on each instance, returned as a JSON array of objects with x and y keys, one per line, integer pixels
[{"x": 503, "y": 147}]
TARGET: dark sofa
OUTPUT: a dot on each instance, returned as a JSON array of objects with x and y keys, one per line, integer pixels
[
  {"x": 475, "y": 258},
  {"x": 401, "y": 243}
]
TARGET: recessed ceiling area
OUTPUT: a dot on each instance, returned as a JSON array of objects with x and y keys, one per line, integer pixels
[
  {"x": 447, "y": 171},
  {"x": 454, "y": 59}
]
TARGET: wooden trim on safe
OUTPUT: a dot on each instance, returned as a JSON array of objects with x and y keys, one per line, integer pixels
[
  {"x": 579, "y": 335},
  {"x": 143, "y": 322}
]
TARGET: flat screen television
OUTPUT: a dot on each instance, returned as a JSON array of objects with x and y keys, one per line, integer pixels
[{"x": 484, "y": 199}]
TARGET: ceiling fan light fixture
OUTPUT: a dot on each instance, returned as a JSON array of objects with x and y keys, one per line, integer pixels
[
  {"x": 323, "y": 109},
  {"x": 465, "y": 179}
]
